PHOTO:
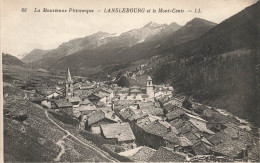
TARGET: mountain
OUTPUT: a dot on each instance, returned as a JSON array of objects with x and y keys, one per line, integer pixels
[
  {"x": 8, "y": 59},
  {"x": 34, "y": 55},
  {"x": 70, "y": 47},
  {"x": 121, "y": 50},
  {"x": 221, "y": 67},
  {"x": 98, "y": 43},
  {"x": 143, "y": 34},
  {"x": 239, "y": 31},
  {"x": 21, "y": 55},
  {"x": 191, "y": 30}
]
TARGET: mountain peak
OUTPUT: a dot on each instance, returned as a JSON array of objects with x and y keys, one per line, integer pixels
[
  {"x": 152, "y": 25},
  {"x": 101, "y": 33},
  {"x": 199, "y": 22},
  {"x": 9, "y": 59},
  {"x": 174, "y": 24}
]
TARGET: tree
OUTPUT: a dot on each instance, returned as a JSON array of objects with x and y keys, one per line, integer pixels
[
  {"x": 187, "y": 104},
  {"x": 123, "y": 82}
]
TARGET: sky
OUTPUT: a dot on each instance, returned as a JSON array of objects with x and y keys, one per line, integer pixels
[{"x": 21, "y": 32}]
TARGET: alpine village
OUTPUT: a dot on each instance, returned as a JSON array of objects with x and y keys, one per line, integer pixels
[{"x": 166, "y": 103}]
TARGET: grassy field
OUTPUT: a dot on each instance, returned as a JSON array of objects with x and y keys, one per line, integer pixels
[{"x": 31, "y": 140}]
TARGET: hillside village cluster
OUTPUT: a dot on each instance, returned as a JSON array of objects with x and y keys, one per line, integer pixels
[{"x": 148, "y": 124}]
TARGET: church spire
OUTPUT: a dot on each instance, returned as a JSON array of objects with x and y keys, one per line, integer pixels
[
  {"x": 68, "y": 85},
  {"x": 68, "y": 77}
]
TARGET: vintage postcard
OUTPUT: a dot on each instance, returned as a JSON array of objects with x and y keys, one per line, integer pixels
[{"x": 130, "y": 81}]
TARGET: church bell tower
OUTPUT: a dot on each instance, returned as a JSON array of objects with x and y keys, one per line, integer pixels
[
  {"x": 149, "y": 87},
  {"x": 69, "y": 85}
]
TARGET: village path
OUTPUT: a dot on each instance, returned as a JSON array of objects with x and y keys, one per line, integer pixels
[
  {"x": 60, "y": 144},
  {"x": 80, "y": 141}
]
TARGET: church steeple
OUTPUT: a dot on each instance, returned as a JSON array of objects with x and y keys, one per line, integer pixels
[
  {"x": 68, "y": 85},
  {"x": 149, "y": 88},
  {"x": 68, "y": 77}
]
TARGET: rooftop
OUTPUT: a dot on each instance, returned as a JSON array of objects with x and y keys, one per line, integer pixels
[
  {"x": 174, "y": 114},
  {"x": 120, "y": 131},
  {"x": 143, "y": 154},
  {"x": 74, "y": 99},
  {"x": 230, "y": 148},
  {"x": 95, "y": 117},
  {"x": 165, "y": 154},
  {"x": 61, "y": 103},
  {"x": 201, "y": 126},
  {"x": 156, "y": 128}
]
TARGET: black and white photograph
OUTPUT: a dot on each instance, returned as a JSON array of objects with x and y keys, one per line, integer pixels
[{"x": 130, "y": 81}]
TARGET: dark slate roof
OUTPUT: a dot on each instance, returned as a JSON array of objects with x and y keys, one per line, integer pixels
[
  {"x": 172, "y": 137},
  {"x": 230, "y": 148},
  {"x": 219, "y": 137},
  {"x": 168, "y": 107},
  {"x": 167, "y": 155},
  {"x": 192, "y": 137},
  {"x": 174, "y": 114},
  {"x": 143, "y": 154},
  {"x": 95, "y": 117},
  {"x": 139, "y": 116},
  {"x": 155, "y": 128},
  {"x": 120, "y": 131},
  {"x": 126, "y": 113},
  {"x": 182, "y": 126},
  {"x": 142, "y": 122},
  {"x": 201, "y": 148},
  {"x": 235, "y": 132},
  {"x": 177, "y": 123},
  {"x": 61, "y": 103},
  {"x": 184, "y": 142},
  {"x": 153, "y": 110},
  {"x": 201, "y": 126}
]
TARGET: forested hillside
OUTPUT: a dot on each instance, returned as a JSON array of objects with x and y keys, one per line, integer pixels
[{"x": 222, "y": 66}]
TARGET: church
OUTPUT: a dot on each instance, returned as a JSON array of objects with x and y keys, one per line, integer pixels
[
  {"x": 69, "y": 94},
  {"x": 68, "y": 85},
  {"x": 136, "y": 93}
]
